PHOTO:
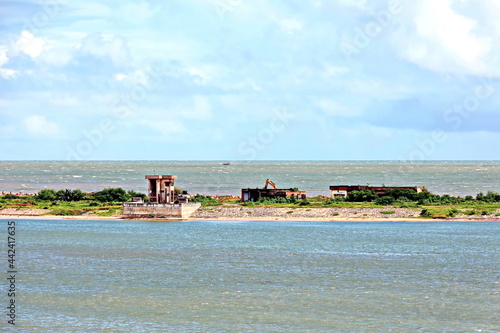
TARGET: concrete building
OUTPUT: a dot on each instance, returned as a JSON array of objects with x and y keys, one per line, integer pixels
[
  {"x": 161, "y": 189},
  {"x": 162, "y": 200},
  {"x": 343, "y": 190}
]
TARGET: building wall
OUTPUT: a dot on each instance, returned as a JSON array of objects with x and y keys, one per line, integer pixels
[
  {"x": 339, "y": 193},
  {"x": 131, "y": 209}
]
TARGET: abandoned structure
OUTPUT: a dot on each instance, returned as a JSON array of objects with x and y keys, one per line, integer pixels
[
  {"x": 343, "y": 190},
  {"x": 161, "y": 189},
  {"x": 254, "y": 194},
  {"x": 162, "y": 198}
]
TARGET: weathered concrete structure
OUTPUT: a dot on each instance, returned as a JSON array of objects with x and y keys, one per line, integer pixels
[
  {"x": 254, "y": 194},
  {"x": 138, "y": 210},
  {"x": 343, "y": 190},
  {"x": 161, "y": 189},
  {"x": 162, "y": 200}
]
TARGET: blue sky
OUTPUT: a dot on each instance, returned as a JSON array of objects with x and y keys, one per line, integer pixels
[{"x": 250, "y": 80}]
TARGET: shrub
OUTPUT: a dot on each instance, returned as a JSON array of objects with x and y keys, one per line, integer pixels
[
  {"x": 400, "y": 193},
  {"x": 70, "y": 195},
  {"x": 448, "y": 200},
  {"x": 429, "y": 199},
  {"x": 335, "y": 200},
  {"x": 137, "y": 194},
  {"x": 387, "y": 212},
  {"x": 452, "y": 212},
  {"x": 361, "y": 196},
  {"x": 205, "y": 200},
  {"x": 385, "y": 200},
  {"x": 47, "y": 195},
  {"x": 278, "y": 200},
  {"x": 112, "y": 194},
  {"x": 489, "y": 197},
  {"x": 66, "y": 212},
  {"x": 425, "y": 213},
  {"x": 9, "y": 196}
]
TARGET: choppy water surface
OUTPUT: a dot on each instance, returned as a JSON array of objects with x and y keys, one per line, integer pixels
[
  {"x": 117, "y": 276},
  {"x": 211, "y": 177}
]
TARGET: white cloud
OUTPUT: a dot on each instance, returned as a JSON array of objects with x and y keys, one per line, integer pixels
[
  {"x": 120, "y": 77},
  {"x": 8, "y": 73},
  {"x": 3, "y": 55},
  {"x": 57, "y": 54},
  {"x": 112, "y": 46},
  {"x": 443, "y": 40},
  {"x": 39, "y": 126},
  {"x": 29, "y": 44}
]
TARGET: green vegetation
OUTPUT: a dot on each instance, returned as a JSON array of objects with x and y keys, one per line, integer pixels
[
  {"x": 112, "y": 195},
  {"x": 107, "y": 202},
  {"x": 361, "y": 196},
  {"x": 430, "y": 205},
  {"x": 205, "y": 200}
]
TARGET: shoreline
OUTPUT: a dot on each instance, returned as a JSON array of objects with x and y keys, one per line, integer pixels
[
  {"x": 248, "y": 219},
  {"x": 259, "y": 214}
]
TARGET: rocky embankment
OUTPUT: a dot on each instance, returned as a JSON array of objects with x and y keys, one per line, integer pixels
[
  {"x": 297, "y": 213},
  {"x": 235, "y": 212},
  {"x": 22, "y": 212}
]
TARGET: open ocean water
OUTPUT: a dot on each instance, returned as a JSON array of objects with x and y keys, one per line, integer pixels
[
  {"x": 138, "y": 276},
  {"x": 211, "y": 177}
]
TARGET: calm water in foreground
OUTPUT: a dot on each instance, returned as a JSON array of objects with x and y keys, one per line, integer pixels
[{"x": 137, "y": 276}]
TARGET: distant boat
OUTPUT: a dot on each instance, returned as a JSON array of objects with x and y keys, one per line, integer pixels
[{"x": 226, "y": 163}]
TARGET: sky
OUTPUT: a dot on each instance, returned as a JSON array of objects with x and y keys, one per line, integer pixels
[{"x": 250, "y": 80}]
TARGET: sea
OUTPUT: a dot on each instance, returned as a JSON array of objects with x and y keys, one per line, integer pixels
[
  {"x": 458, "y": 178},
  {"x": 220, "y": 276}
]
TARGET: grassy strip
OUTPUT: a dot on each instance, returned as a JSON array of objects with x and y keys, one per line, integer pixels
[
  {"x": 91, "y": 207},
  {"x": 63, "y": 208}
]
